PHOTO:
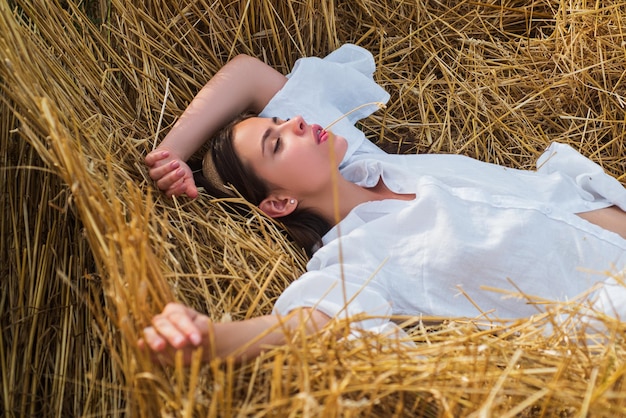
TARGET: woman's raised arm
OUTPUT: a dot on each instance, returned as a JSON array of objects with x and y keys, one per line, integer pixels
[{"x": 243, "y": 84}]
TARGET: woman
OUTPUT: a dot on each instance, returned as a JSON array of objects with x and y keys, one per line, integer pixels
[{"x": 421, "y": 234}]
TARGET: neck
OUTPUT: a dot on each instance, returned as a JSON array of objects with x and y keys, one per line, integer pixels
[{"x": 335, "y": 204}]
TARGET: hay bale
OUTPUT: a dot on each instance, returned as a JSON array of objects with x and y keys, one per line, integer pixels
[{"x": 92, "y": 250}]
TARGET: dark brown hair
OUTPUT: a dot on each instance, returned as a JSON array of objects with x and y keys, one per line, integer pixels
[{"x": 304, "y": 226}]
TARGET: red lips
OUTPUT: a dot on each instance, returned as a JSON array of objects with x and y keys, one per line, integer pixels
[
  {"x": 323, "y": 136},
  {"x": 319, "y": 134}
]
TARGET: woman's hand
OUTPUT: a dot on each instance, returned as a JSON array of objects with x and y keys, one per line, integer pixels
[
  {"x": 171, "y": 174},
  {"x": 177, "y": 328}
]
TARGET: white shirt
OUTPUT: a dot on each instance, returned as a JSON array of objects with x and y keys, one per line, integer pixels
[{"x": 472, "y": 228}]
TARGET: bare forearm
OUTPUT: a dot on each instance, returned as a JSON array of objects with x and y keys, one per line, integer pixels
[
  {"x": 243, "y": 84},
  {"x": 247, "y": 339}
]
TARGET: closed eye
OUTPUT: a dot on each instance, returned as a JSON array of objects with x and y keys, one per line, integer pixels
[{"x": 277, "y": 145}]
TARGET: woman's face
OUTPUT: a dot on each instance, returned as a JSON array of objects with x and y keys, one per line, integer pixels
[{"x": 290, "y": 156}]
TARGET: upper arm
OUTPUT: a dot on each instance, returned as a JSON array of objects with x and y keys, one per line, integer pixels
[
  {"x": 243, "y": 84},
  {"x": 263, "y": 81}
]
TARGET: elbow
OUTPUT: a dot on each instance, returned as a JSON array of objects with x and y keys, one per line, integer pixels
[
  {"x": 244, "y": 59},
  {"x": 312, "y": 319}
]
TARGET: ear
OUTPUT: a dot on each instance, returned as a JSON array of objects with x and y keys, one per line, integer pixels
[{"x": 278, "y": 206}]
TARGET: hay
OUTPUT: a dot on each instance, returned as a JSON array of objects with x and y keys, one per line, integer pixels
[{"x": 91, "y": 250}]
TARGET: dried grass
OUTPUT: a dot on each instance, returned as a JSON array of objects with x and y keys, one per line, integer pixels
[{"x": 91, "y": 250}]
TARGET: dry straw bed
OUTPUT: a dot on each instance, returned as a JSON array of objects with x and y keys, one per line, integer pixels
[{"x": 91, "y": 250}]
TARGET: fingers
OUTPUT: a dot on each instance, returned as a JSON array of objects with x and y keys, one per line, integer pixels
[
  {"x": 177, "y": 187},
  {"x": 153, "y": 157},
  {"x": 175, "y": 327},
  {"x": 191, "y": 190},
  {"x": 172, "y": 175},
  {"x": 183, "y": 185},
  {"x": 152, "y": 340},
  {"x": 164, "y": 164},
  {"x": 162, "y": 168},
  {"x": 166, "y": 177}
]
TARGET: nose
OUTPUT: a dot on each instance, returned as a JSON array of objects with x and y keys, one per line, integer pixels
[{"x": 298, "y": 125}]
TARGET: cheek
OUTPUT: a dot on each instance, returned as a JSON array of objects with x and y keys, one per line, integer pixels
[
  {"x": 304, "y": 169},
  {"x": 308, "y": 173}
]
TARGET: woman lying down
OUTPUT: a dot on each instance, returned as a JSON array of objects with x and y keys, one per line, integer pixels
[{"x": 418, "y": 234}]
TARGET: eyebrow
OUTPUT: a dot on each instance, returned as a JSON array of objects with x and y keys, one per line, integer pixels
[{"x": 266, "y": 135}]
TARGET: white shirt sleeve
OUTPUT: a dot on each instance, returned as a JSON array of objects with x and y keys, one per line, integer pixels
[
  {"x": 587, "y": 175},
  {"x": 323, "y": 90},
  {"x": 340, "y": 293}
]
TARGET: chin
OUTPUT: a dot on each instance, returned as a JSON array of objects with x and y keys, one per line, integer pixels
[{"x": 341, "y": 145}]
